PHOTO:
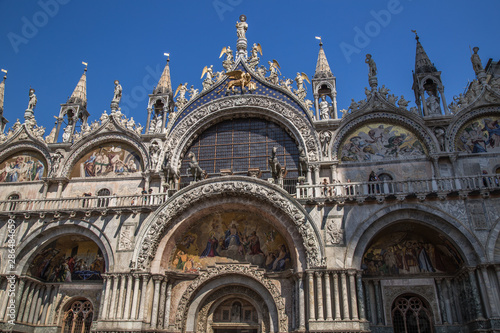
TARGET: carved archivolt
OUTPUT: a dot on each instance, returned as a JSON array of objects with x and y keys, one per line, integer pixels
[
  {"x": 183, "y": 133},
  {"x": 75, "y": 155},
  {"x": 457, "y": 125},
  {"x": 182, "y": 200},
  {"x": 25, "y": 146},
  {"x": 373, "y": 116},
  {"x": 217, "y": 272},
  {"x": 235, "y": 291}
]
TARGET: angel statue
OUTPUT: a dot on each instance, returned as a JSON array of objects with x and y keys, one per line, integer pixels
[
  {"x": 372, "y": 67},
  {"x": 301, "y": 91},
  {"x": 181, "y": 100},
  {"x": 274, "y": 69},
  {"x": 207, "y": 83},
  {"x": 254, "y": 59},
  {"x": 229, "y": 62}
]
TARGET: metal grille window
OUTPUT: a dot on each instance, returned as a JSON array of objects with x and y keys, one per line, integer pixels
[
  {"x": 103, "y": 202},
  {"x": 78, "y": 318},
  {"x": 241, "y": 144},
  {"x": 410, "y": 315}
]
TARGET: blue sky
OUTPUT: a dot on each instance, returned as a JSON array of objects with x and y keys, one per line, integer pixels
[{"x": 43, "y": 43}]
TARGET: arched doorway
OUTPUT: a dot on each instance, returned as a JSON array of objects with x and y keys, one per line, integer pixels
[{"x": 410, "y": 314}]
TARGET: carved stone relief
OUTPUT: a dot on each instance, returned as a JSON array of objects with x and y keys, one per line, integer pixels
[{"x": 126, "y": 241}]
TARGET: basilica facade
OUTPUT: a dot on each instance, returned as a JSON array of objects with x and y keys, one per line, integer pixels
[{"x": 242, "y": 206}]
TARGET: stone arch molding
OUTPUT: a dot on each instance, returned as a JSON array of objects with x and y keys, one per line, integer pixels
[
  {"x": 245, "y": 275},
  {"x": 43, "y": 235},
  {"x": 165, "y": 217},
  {"x": 471, "y": 248},
  {"x": 78, "y": 152},
  {"x": 395, "y": 118},
  {"x": 183, "y": 133},
  {"x": 455, "y": 127}
]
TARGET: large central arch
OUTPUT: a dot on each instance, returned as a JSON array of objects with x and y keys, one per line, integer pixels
[{"x": 214, "y": 192}]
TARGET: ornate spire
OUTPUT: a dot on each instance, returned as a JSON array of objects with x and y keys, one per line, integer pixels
[
  {"x": 2, "y": 92},
  {"x": 322, "y": 67},
  {"x": 164, "y": 84},
  {"x": 79, "y": 95},
  {"x": 422, "y": 62}
]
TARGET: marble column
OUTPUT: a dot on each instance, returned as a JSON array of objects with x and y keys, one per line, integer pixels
[
  {"x": 22, "y": 295},
  {"x": 319, "y": 284},
  {"x": 302, "y": 304},
  {"x": 34, "y": 303},
  {"x": 135, "y": 297},
  {"x": 354, "y": 297},
  {"x": 166, "y": 319},
  {"x": 336, "y": 295},
  {"x": 156, "y": 297},
  {"x": 488, "y": 292},
  {"x": 120, "y": 307},
  {"x": 161, "y": 308},
  {"x": 378, "y": 302},
  {"x": 361, "y": 298},
  {"x": 51, "y": 310},
  {"x": 366, "y": 288},
  {"x": 144, "y": 304},
  {"x": 316, "y": 180},
  {"x": 105, "y": 304},
  {"x": 475, "y": 293},
  {"x": 126, "y": 312},
  {"x": 328, "y": 297},
  {"x": 148, "y": 122},
  {"x": 27, "y": 304},
  {"x": 312, "y": 306},
  {"x": 59, "y": 189},
  {"x": 114, "y": 292},
  {"x": 48, "y": 303},
  {"x": 345, "y": 297},
  {"x": 450, "y": 300},
  {"x": 441, "y": 301},
  {"x": 39, "y": 305}
]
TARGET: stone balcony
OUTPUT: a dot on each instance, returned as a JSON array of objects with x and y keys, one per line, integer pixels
[
  {"x": 359, "y": 192},
  {"x": 421, "y": 189}
]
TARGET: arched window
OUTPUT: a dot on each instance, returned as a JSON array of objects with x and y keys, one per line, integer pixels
[
  {"x": 103, "y": 202},
  {"x": 78, "y": 318},
  {"x": 410, "y": 315},
  {"x": 13, "y": 197}
]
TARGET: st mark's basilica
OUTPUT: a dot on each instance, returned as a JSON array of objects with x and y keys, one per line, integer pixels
[{"x": 244, "y": 207}]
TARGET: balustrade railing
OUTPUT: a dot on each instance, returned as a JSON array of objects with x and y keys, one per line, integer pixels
[
  {"x": 351, "y": 190},
  {"x": 400, "y": 187}
]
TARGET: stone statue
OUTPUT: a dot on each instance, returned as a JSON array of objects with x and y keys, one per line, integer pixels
[
  {"x": 104, "y": 117},
  {"x": 324, "y": 108},
  {"x": 432, "y": 103},
  {"x": 302, "y": 162},
  {"x": 275, "y": 165},
  {"x": 476, "y": 61},
  {"x": 372, "y": 67},
  {"x": 392, "y": 99},
  {"x": 67, "y": 134},
  {"x": 55, "y": 159},
  {"x": 254, "y": 59},
  {"x": 117, "y": 93},
  {"x": 131, "y": 124},
  {"x": 229, "y": 62},
  {"x": 439, "y": 132},
  {"x": 368, "y": 93},
  {"x": 273, "y": 71},
  {"x": 403, "y": 103},
  {"x": 383, "y": 91},
  {"x": 138, "y": 129},
  {"x": 354, "y": 106},
  {"x": 325, "y": 137},
  {"x": 16, "y": 125},
  {"x": 241, "y": 27},
  {"x": 196, "y": 171},
  {"x": 33, "y": 100},
  {"x": 192, "y": 93}
]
